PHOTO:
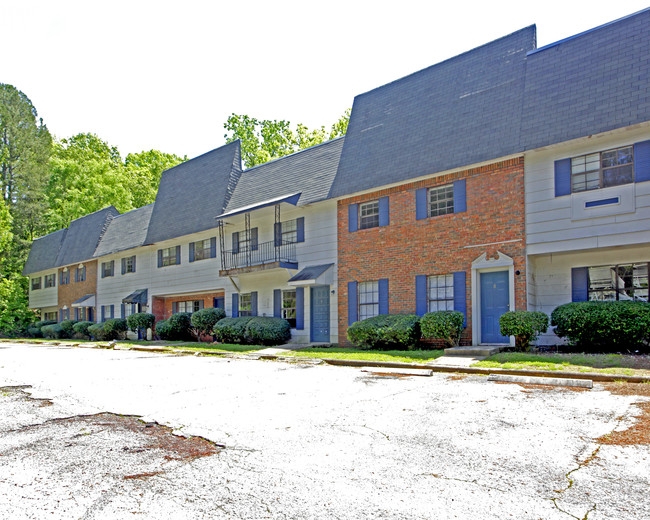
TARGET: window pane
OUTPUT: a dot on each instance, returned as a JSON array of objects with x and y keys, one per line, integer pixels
[
  {"x": 369, "y": 215},
  {"x": 441, "y": 200},
  {"x": 620, "y": 175}
]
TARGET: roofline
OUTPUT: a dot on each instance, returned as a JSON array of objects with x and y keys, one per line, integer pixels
[
  {"x": 237, "y": 141},
  {"x": 569, "y": 38},
  {"x": 98, "y": 211}
]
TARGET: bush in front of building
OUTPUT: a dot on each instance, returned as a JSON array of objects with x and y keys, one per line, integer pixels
[
  {"x": 162, "y": 329},
  {"x": 204, "y": 320},
  {"x": 266, "y": 330},
  {"x": 616, "y": 326},
  {"x": 81, "y": 328},
  {"x": 231, "y": 330},
  {"x": 386, "y": 332},
  {"x": 525, "y": 326},
  {"x": 34, "y": 332},
  {"x": 115, "y": 328},
  {"x": 68, "y": 327},
  {"x": 53, "y": 331},
  {"x": 443, "y": 325},
  {"x": 96, "y": 332},
  {"x": 140, "y": 321},
  {"x": 176, "y": 328}
]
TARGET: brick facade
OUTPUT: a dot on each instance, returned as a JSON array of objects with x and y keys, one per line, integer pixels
[
  {"x": 72, "y": 291},
  {"x": 162, "y": 305},
  {"x": 494, "y": 221}
]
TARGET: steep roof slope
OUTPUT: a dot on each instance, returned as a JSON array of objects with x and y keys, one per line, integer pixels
[
  {"x": 461, "y": 111},
  {"x": 43, "y": 252},
  {"x": 589, "y": 83},
  {"x": 83, "y": 236},
  {"x": 125, "y": 231},
  {"x": 310, "y": 172},
  {"x": 192, "y": 193}
]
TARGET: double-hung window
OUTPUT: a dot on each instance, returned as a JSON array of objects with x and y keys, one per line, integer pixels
[
  {"x": 203, "y": 249},
  {"x": 618, "y": 282},
  {"x": 440, "y": 292},
  {"x": 441, "y": 200},
  {"x": 80, "y": 274},
  {"x": 289, "y": 306},
  {"x": 36, "y": 283},
  {"x": 368, "y": 300},
  {"x": 128, "y": 264},
  {"x": 187, "y": 306},
  {"x": 169, "y": 256},
  {"x": 50, "y": 316},
  {"x": 50, "y": 280},
  {"x": 369, "y": 214},
  {"x": 245, "y": 304},
  {"x": 64, "y": 277},
  {"x": 108, "y": 268},
  {"x": 602, "y": 169}
]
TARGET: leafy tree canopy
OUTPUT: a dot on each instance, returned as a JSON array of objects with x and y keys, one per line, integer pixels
[{"x": 143, "y": 172}]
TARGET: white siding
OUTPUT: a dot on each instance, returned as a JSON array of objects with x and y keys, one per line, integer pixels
[{"x": 43, "y": 297}]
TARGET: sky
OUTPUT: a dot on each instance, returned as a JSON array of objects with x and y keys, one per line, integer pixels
[{"x": 166, "y": 75}]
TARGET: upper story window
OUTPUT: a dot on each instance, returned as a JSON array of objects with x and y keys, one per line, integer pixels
[
  {"x": 289, "y": 307},
  {"x": 618, "y": 282},
  {"x": 289, "y": 231},
  {"x": 246, "y": 240},
  {"x": 245, "y": 304},
  {"x": 169, "y": 256},
  {"x": 202, "y": 249},
  {"x": 440, "y": 292},
  {"x": 369, "y": 214},
  {"x": 50, "y": 280},
  {"x": 64, "y": 277},
  {"x": 602, "y": 169},
  {"x": 128, "y": 264},
  {"x": 36, "y": 283},
  {"x": 368, "y": 300},
  {"x": 80, "y": 274},
  {"x": 441, "y": 200},
  {"x": 108, "y": 268}
]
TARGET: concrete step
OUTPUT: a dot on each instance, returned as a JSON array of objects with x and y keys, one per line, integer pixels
[{"x": 473, "y": 351}]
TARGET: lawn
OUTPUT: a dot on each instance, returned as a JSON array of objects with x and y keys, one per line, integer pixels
[{"x": 394, "y": 356}]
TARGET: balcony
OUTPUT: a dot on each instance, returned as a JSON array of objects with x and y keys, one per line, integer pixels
[{"x": 266, "y": 256}]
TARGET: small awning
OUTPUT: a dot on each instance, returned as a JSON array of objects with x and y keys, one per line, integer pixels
[
  {"x": 85, "y": 301},
  {"x": 289, "y": 199},
  {"x": 139, "y": 296},
  {"x": 309, "y": 275}
]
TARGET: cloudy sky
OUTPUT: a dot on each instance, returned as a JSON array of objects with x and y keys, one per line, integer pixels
[{"x": 159, "y": 74}]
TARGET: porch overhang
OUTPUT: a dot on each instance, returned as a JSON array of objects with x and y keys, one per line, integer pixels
[
  {"x": 312, "y": 275},
  {"x": 288, "y": 199},
  {"x": 139, "y": 296},
  {"x": 85, "y": 301}
]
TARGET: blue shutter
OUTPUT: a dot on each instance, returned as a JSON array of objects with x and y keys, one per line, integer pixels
[
  {"x": 460, "y": 196},
  {"x": 580, "y": 284},
  {"x": 235, "y": 305},
  {"x": 178, "y": 255},
  {"x": 421, "y": 204},
  {"x": 254, "y": 303},
  {"x": 254, "y": 239},
  {"x": 235, "y": 242},
  {"x": 300, "y": 229},
  {"x": 67, "y": 312},
  {"x": 123, "y": 265},
  {"x": 277, "y": 303},
  {"x": 83, "y": 270},
  {"x": 191, "y": 251},
  {"x": 174, "y": 307},
  {"x": 353, "y": 211},
  {"x": 277, "y": 234},
  {"x": 61, "y": 277},
  {"x": 103, "y": 313},
  {"x": 460, "y": 298},
  {"x": 213, "y": 247},
  {"x": 562, "y": 177},
  {"x": 384, "y": 211},
  {"x": 383, "y": 296},
  {"x": 159, "y": 258},
  {"x": 123, "y": 311},
  {"x": 300, "y": 308},
  {"x": 112, "y": 308},
  {"x": 76, "y": 275},
  {"x": 642, "y": 161},
  {"x": 353, "y": 310},
  {"x": 421, "y": 299}
]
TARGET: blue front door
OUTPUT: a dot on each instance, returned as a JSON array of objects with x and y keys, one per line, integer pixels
[
  {"x": 320, "y": 313},
  {"x": 495, "y": 300}
]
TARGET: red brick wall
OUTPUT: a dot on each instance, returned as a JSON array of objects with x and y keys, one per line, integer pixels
[
  {"x": 162, "y": 305},
  {"x": 436, "y": 245},
  {"x": 72, "y": 291}
]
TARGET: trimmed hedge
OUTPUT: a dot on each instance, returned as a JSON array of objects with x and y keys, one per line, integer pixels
[
  {"x": 263, "y": 330},
  {"x": 115, "y": 328},
  {"x": 68, "y": 327},
  {"x": 81, "y": 327},
  {"x": 163, "y": 329},
  {"x": 53, "y": 331},
  {"x": 203, "y": 321},
  {"x": 176, "y": 328},
  {"x": 615, "y": 326},
  {"x": 43, "y": 323},
  {"x": 525, "y": 326},
  {"x": 386, "y": 332},
  {"x": 140, "y": 321},
  {"x": 96, "y": 332},
  {"x": 232, "y": 330},
  {"x": 444, "y": 325},
  {"x": 34, "y": 332}
]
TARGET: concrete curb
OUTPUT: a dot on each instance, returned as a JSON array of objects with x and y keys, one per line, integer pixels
[{"x": 553, "y": 381}]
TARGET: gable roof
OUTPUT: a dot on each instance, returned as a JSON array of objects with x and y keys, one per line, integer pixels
[
  {"x": 461, "y": 111},
  {"x": 83, "y": 236},
  {"x": 43, "y": 253},
  {"x": 192, "y": 193},
  {"x": 589, "y": 83},
  {"x": 125, "y": 231},
  {"x": 309, "y": 172}
]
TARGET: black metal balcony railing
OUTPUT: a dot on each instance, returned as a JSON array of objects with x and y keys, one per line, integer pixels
[{"x": 266, "y": 253}]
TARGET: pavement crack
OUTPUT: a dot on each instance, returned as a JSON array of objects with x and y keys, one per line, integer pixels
[
  {"x": 380, "y": 432},
  {"x": 581, "y": 464},
  {"x": 465, "y": 481}
]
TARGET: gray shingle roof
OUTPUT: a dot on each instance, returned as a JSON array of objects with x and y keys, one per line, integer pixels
[
  {"x": 43, "y": 253},
  {"x": 310, "y": 172},
  {"x": 192, "y": 193},
  {"x": 589, "y": 83},
  {"x": 125, "y": 231},
  {"x": 83, "y": 236},
  {"x": 461, "y": 111},
  {"x": 310, "y": 273}
]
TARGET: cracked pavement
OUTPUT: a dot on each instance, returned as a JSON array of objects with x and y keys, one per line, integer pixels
[{"x": 302, "y": 441}]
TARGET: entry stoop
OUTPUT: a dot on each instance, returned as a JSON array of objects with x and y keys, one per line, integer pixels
[{"x": 475, "y": 351}]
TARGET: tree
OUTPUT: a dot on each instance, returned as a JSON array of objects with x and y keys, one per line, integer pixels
[
  {"x": 265, "y": 140},
  {"x": 143, "y": 171}
]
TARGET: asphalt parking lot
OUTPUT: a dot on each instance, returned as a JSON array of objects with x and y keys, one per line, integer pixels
[{"x": 123, "y": 434}]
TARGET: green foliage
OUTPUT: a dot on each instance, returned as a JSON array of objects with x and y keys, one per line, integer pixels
[
  {"x": 68, "y": 327},
  {"x": 263, "y": 140},
  {"x": 232, "y": 330},
  {"x": 386, "y": 331},
  {"x": 144, "y": 170},
  {"x": 97, "y": 332},
  {"x": 14, "y": 305},
  {"x": 204, "y": 320},
  {"x": 140, "y": 321},
  {"x": 81, "y": 327},
  {"x": 604, "y": 326},
  {"x": 42, "y": 323},
  {"x": 53, "y": 331},
  {"x": 263, "y": 330},
  {"x": 176, "y": 328},
  {"x": 34, "y": 332},
  {"x": 163, "y": 329},
  {"x": 445, "y": 325},
  {"x": 115, "y": 328},
  {"x": 525, "y": 326}
]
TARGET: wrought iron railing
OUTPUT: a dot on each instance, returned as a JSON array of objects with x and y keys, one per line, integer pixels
[{"x": 265, "y": 253}]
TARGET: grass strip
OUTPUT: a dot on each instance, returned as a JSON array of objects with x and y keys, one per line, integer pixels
[{"x": 394, "y": 356}]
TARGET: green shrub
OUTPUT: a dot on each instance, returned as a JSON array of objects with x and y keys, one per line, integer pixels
[
  {"x": 386, "y": 332},
  {"x": 97, "y": 332},
  {"x": 81, "y": 327},
  {"x": 43, "y": 323},
  {"x": 53, "y": 331},
  {"x": 163, "y": 329},
  {"x": 525, "y": 326},
  {"x": 67, "y": 326},
  {"x": 604, "y": 326},
  {"x": 180, "y": 325},
  {"x": 34, "y": 332},
  {"x": 115, "y": 328},
  {"x": 204, "y": 320},
  {"x": 232, "y": 330},
  {"x": 263, "y": 330},
  {"x": 140, "y": 321},
  {"x": 444, "y": 325}
]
